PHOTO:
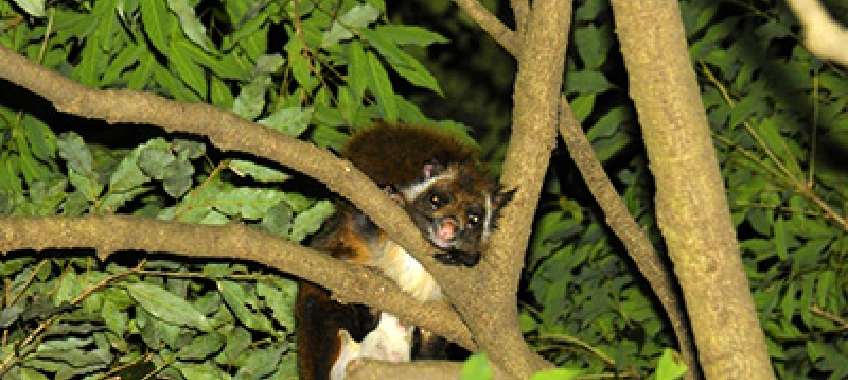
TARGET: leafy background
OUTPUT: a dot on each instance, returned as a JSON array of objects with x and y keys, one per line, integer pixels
[{"x": 317, "y": 70}]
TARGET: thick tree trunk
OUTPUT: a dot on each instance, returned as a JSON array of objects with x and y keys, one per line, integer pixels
[{"x": 692, "y": 210}]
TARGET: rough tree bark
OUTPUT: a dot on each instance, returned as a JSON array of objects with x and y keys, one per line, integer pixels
[{"x": 692, "y": 210}]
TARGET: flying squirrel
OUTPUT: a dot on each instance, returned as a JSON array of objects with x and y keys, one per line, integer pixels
[{"x": 438, "y": 180}]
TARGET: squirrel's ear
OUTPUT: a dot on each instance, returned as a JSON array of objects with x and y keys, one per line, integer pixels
[
  {"x": 431, "y": 168},
  {"x": 502, "y": 198}
]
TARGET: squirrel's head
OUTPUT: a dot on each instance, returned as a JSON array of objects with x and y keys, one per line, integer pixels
[{"x": 455, "y": 206}]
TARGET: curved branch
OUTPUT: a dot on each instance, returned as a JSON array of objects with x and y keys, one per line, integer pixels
[
  {"x": 348, "y": 283},
  {"x": 424, "y": 369},
  {"x": 619, "y": 219},
  {"x": 225, "y": 129},
  {"x": 504, "y": 36},
  {"x": 231, "y": 132}
]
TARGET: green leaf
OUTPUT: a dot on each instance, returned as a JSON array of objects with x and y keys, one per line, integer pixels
[
  {"x": 157, "y": 23},
  {"x": 357, "y": 17},
  {"x": 280, "y": 300},
  {"x": 33, "y": 7},
  {"x": 200, "y": 371},
  {"x": 41, "y": 139},
  {"x": 309, "y": 221},
  {"x": 245, "y": 202},
  {"x": 291, "y": 121},
  {"x": 300, "y": 66},
  {"x": 257, "y": 172},
  {"x": 128, "y": 175},
  {"x": 592, "y": 46},
  {"x": 557, "y": 374},
  {"x": 411, "y": 35},
  {"x": 476, "y": 367},
  {"x": 260, "y": 363},
  {"x": 238, "y": 341},
  {"x": 400, "y": 61},
  {"x": 381, "y": 87},
  {"x": 745, "y": 108},
  {"x": 251, "y": 100},
  {"x": 167, "y": 306},
  {"x": 202, "y": 346},
  {"x": 582, "y": 106},
  {"x": 74, "y": 150},
  {"x": 154, "y": 158},
  {"x": 9, "y": 315},
  {"x": 189, "y": 23},
  {"x": 668, "y": 368},
  {"x": 358, "y": 67},
  {"x": 189, "y": 71},
  {"x": 114, "y": 318},
  {"x": 236, "y": 296},
  {"x": 188, "y": 149},
  {"x": 268, "y": 64},
  {"x": 584, "y": 81},
  {"x": 279, "y": 220},
  {"x": 178, "y": 178},
  {"x": 87, "y": 186}
]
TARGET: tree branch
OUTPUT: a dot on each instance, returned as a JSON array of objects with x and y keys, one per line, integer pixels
[
  {"x": 823, "y": 36},
  {"x": 226, "y": 130},
  {"x": 348, "y": 283},
  {"x": 230, "y": 132},
  {"x": 520, "y": 11},
  {"x": 505, "y": 37},
  {"x": 430, "y": 370},
  {"x": 619, "y": 219}
]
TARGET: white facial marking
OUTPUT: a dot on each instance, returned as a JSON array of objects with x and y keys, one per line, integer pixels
[
  {"x": 487, "y": 218},
  {"x": 417, "y": 189}
]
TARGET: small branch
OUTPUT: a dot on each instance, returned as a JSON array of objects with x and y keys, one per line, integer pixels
[
  {"x": 619, "y": 219},
  {"x": 520, "y": 11},
  {"x": 505, "y": 37},
  {"x": 234, "y": 241},
  {"x": 430, "y": 370},
  {"x": 823, "y": 36}
]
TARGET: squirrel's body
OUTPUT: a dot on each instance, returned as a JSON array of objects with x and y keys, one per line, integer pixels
[{"x": 438, "y": 181}]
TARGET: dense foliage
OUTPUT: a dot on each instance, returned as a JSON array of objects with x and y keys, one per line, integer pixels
[
  {"x": 314, "y": 69},
  {"x": 137, "y": 316}
]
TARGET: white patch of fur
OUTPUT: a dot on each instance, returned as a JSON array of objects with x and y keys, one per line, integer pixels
[
  {"x": 417, "y": 189},
  {"x": 348, "y": 351},
  {"x": 487, "y": 219},
  {"x": 408, "y": 273},
  {"x": 390, "y": 341}
]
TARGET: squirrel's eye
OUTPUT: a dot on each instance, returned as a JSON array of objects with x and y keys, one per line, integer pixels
[
  {"x": 435, "y": 201},
  {"x": 473, "y": 219}
]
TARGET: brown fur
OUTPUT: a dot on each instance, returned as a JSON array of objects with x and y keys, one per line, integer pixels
[{"x": 437, "y": 179}]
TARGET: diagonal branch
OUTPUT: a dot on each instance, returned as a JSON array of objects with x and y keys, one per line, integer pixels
[
  {"x": 229, "y": 132},
  {"x": 505, "y": 37},
  {"x": 348, "y": 283},
  {"x": 619, "y": 219}
]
